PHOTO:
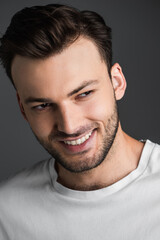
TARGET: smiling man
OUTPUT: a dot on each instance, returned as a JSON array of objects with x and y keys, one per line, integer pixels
[{"x": 99, "y": 183}]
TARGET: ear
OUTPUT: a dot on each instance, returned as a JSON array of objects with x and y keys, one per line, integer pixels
[
  {"x": 118, "y": 81},
  {"x": 21, "y": 106}
]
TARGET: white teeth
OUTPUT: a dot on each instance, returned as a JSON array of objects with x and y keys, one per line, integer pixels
[{"x": 79, "y": 141}]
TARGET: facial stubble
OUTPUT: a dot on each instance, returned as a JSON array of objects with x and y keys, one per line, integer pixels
[{"x": 82, "y": 163}]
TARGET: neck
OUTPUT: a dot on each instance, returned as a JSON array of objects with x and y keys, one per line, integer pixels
[{"x": 122, "y": 158}]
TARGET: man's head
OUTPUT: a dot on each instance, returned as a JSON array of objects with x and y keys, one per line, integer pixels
[
  {"x": 41, "y": 31},
  {"x": 69, "y": 95}
]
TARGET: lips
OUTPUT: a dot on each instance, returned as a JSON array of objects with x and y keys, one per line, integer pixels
[
  {"x": 75, "y": 148},
  {"x": 79, "y": 141}
]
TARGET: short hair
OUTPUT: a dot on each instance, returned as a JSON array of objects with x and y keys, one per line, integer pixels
[{"x": 41, "y": 31}]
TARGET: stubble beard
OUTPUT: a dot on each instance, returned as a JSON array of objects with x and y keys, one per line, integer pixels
[{"x": 82, "y": 163}]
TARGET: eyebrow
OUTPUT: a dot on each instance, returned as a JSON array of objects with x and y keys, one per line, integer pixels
[
  {"x": 33, "y": 99},
  {"x": 48, "y": 100},
  {"x": 83, "y": 85}
]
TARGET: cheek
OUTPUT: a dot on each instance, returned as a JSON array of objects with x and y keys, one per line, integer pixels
[
  {"x": 41, "y": 125},
  {"x": 101, "y": 108}
]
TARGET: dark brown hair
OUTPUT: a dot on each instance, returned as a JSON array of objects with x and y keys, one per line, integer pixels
[{"x": 41, "y": 31}]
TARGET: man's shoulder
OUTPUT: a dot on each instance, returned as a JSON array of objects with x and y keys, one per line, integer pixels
[
  {"x": 30, "y": 178},
  {"x": 150, "y": 159},
  {"x": 154, "y": 159},
  {"x": 22, "y": 193}
]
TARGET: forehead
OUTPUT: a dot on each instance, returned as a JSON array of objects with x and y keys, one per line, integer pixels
[{"x": 80, "y": 61}]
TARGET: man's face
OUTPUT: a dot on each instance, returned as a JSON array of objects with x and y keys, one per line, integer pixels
[{"x": 68, "y": 100}]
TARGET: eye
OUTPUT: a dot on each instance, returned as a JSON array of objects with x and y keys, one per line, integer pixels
[
  {"x": 42, "y": 106},
  {"x": 85, "y": 94}
]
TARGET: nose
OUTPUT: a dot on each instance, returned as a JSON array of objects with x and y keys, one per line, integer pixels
[{"x": 68, "y": 119}]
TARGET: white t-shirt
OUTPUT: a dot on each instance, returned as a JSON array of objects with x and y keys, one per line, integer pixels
[{"x": 34, "y": 206}]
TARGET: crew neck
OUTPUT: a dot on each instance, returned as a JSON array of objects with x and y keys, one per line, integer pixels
[{"x": 122, "y": 183}]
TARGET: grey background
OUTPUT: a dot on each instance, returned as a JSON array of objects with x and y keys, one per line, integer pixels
[{"x": 136, "y": 39}]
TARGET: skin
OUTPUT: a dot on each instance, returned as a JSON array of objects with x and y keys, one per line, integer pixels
[{"x": 63, "y": 116}]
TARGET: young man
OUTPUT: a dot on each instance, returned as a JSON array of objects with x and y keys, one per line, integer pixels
[{"x": 100, "y": 183}]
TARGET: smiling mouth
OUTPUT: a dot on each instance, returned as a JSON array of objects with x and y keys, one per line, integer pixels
[{"x": 79, "y": 140}]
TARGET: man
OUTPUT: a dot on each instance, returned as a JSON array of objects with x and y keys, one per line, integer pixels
[{"x": 100, "y": 183}]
